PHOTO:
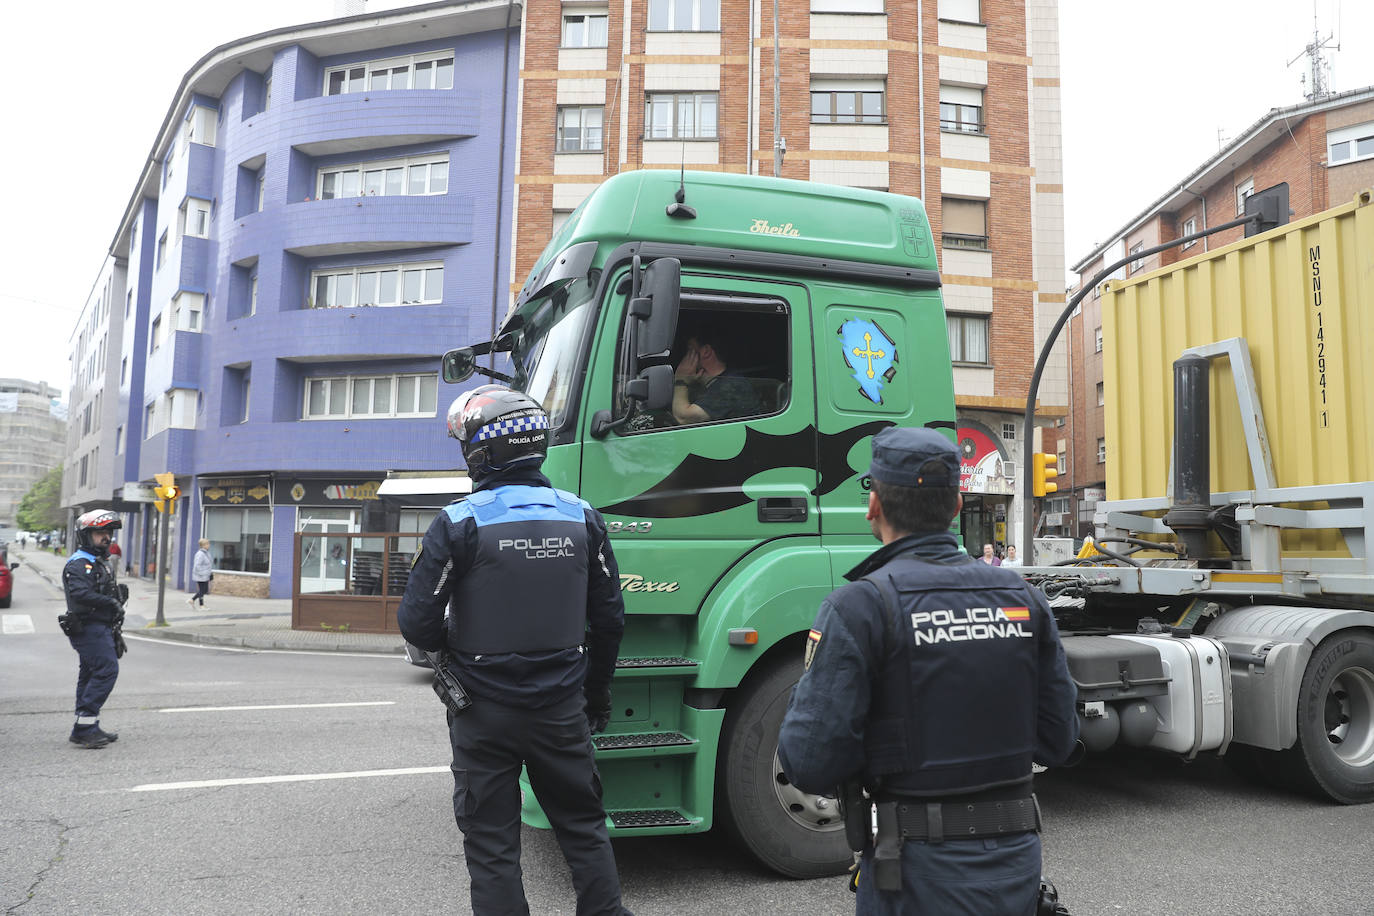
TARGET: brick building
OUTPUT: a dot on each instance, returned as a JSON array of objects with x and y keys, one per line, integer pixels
[
  {"x": 1324, "y": 150},
  {"x": 952, "y": 101},
  {"x": 323, "y": 212}
]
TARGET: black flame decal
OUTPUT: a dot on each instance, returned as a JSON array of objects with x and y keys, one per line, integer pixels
[{"x": 701, "y": 486}]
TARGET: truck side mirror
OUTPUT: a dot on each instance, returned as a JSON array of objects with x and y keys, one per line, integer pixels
[
  {"x": 658, "y": 308},
  {"x": 458, "y": 365}
]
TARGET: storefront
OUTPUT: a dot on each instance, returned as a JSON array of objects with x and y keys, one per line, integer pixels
[{"x": 987, "y": 477}]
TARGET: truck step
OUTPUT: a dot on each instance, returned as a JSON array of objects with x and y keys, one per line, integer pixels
[
  {"x": 641, "y": 740},
  {"x": 663, "y": 817},
  {"x": 655, "y": 666}
]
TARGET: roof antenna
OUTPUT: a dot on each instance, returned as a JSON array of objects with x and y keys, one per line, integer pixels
[{"x": 680, "y": 210}]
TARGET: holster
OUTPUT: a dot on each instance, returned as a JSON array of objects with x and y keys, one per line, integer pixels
[
  {"x": 447, "y": 686},
  {"x": 857, "y": 810},
  {"x": 72, "y": 625},
  {"x": 887, "y": 849}
]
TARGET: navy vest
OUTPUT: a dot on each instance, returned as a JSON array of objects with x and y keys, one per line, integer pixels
[
  {"x": 100, "y": 581},
  {"x": 526, "y": 590},
  {"x": 955, "y": 703}
]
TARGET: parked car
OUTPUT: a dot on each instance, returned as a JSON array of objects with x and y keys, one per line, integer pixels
[{"x": 6, "y": 578}]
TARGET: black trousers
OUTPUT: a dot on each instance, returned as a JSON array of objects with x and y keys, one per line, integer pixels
[
  {"x": 202, "y": 589},
  {"x": 490, "y": 742},
  {"x": 96, "y": 674}
]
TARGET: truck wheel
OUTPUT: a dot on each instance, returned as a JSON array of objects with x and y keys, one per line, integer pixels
[
  {"x": 1334, "y": 755},
  {"x": 792, "y": 832}
]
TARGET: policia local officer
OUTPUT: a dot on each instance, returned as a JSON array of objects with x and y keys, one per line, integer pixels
[
  {"x": 534, "y": 627},
  {"x": 95, "y": 613},
  {"x": 936, "y": 680}
]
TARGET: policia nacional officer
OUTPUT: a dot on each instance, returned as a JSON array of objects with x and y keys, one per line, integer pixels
[
  {"x": 533, "y": 631},
  {"x": 936, "y": 680},
  {"x": 95, "y": 613}
]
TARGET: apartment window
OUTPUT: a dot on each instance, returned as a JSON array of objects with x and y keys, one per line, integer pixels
[
  {"x": 119, "y": 440},
  {"x": 1136, "y": 263},
  {"x": 128, "y": 303},
  {"x": 847, "y": 6},
  {"x": 243, "y": 398},
  {"x": 1009, "y": 432},
  {"x": 961, "y": 110},
  {"x": 1243, "y": 190},
  {"x": 1101, "y": 395},
  {"x": 560, "y": 219},
  {"x": 162, "y": 249},
  {"x": 1350, "y": 144},
  {"x": 84, "y": 459},
  {"x": 848, "y": 102},
  {"x": 253, "y": 295},
  {"x": 193, "y": 218},
  {"x": 1097, "y": 334},
  {"x": 123, "y": 371},
  {"x": 149, "y": 415},
  {"x": 416, "y": 176},
  {"x": 395, "y": 284},
  {"x": 584, "y": 30},
  {"x": 1189, "y": 227},
  {"x": 968, "y": 338},
  {"x": 1101, "y": 450},
  {"x": 684, "y": 15},
  {"x": 362, "y": 397},
  {"x": 200, "y": 126},
  {"x": 964, "y": 223},
  {"x": 419, "y": 71},
  {"x": 262, "y": 188},
  {"x": 267, "y": 90},
  {"x": 155, "y": 335},
  {"x": 961, "y": 10},
  {"x": 187, "y": 310},
  {"x": 579, "y": 129},
  {"x": 680, "y": 116}
]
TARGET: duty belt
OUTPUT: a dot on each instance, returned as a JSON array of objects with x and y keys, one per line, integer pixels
[{"x": 938, "y": 821}]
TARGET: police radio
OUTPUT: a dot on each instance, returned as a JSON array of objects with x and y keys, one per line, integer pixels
[{"x": 446, "y": 686}]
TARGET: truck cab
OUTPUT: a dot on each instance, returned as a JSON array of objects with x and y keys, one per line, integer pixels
[{"x": 715, "y": 353}]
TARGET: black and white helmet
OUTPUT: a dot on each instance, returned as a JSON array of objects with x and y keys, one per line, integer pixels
[
  {"x": 498, "y": 429},
  {"x": 88, "y": 523}
]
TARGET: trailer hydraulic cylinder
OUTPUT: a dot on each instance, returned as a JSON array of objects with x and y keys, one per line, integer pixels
[{"x": 1192, "y": 484}]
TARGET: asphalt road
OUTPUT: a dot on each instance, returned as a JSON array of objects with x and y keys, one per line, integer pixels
[{"x": 108, "y": 831}]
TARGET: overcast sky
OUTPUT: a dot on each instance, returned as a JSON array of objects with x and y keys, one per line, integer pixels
[{"x": 1146, "y": 88}]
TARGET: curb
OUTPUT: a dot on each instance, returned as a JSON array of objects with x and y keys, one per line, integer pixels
[{"x": 265, "y": 645}]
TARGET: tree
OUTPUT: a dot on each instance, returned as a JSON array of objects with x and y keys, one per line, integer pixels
[{"x": 41, "y": 508}]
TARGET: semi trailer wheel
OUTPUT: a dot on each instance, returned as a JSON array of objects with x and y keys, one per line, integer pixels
[
  {"x": 1334, "y": 755},
  {"x": 797, "y": 834}
]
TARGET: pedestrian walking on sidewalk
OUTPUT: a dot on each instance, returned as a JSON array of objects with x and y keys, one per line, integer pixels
[
  {"x": 95, "y": 612},
  {"x": 202, "y": 571},
  {"x": 532, "y": 635}
]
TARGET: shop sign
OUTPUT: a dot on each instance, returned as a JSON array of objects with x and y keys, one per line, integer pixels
[
  {"x": 235, "y": 491},
  {"x": 1093, "y": 494},
  {"x": 983, "y": 466},
  {"x": 326, "y": 491}
]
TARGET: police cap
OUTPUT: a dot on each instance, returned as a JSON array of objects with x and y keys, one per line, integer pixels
[{"x": 899, "y": 453}]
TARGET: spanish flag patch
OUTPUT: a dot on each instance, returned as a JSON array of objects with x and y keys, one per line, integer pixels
[
  {"x": 813, "y": 639},
  {"x": 1016, "y": 613}
]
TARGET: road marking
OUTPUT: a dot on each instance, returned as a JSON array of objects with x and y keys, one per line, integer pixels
[
  {"x": 299, "y": 777},
  {"x": 282, "y": 706},
  {"x": 209, "y": 648},
  {"x": 16, "y": 624}
]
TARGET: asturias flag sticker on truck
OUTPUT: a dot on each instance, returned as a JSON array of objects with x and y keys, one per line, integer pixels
[{"x": 871, "y": 354}]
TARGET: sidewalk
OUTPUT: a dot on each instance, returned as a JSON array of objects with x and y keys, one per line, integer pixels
[{"x": 252, "y": 623}]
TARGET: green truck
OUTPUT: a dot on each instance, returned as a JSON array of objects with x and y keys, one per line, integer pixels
[{"x": 823, "y": 306}]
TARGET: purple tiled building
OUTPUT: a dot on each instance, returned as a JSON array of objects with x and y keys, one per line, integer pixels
[{"x": 325, "y": 210}]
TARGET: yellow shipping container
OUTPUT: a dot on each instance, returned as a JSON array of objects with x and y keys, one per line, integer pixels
[{"x": 1302, "y": 296}]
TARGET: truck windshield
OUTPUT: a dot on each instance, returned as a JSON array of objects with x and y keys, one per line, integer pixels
[{"x": 545, "y": 351}]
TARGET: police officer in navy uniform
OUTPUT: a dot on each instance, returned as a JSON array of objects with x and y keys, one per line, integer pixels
[
  {"x": 94, "y": 615},
  {"x": 936, "y": 680},
  {"x": 533, "y": 630}
]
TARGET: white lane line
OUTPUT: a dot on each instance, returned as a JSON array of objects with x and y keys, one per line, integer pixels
[
  {"x": 279, "y": 706},
  {"x": 16, "y": 624},
  {"x": 209, "y": 648},
  {"x": 299, "y": 777}
]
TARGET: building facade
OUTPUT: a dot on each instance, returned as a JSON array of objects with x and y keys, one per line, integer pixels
[
  {"x": 33, "y": 440},
  {"x": 1323, "y": 150},
  {"x": 322, "y": 215},
  {"x": 952, "y": 101}
]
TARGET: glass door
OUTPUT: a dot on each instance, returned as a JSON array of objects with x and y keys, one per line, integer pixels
[{"x": 324, "y": 560}]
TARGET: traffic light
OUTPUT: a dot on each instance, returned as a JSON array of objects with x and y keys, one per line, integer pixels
[
  {"x": 1044, "y": 472},
  {"x": 167, "y": 492}
]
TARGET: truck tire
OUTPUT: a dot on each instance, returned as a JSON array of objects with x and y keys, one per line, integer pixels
[
  {"x": 794, "y": 833},
  {"x": 1334, "y": 756}
]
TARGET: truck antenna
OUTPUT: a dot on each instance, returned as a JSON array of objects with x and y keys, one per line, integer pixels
[{"x": 680, "y": 210}]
